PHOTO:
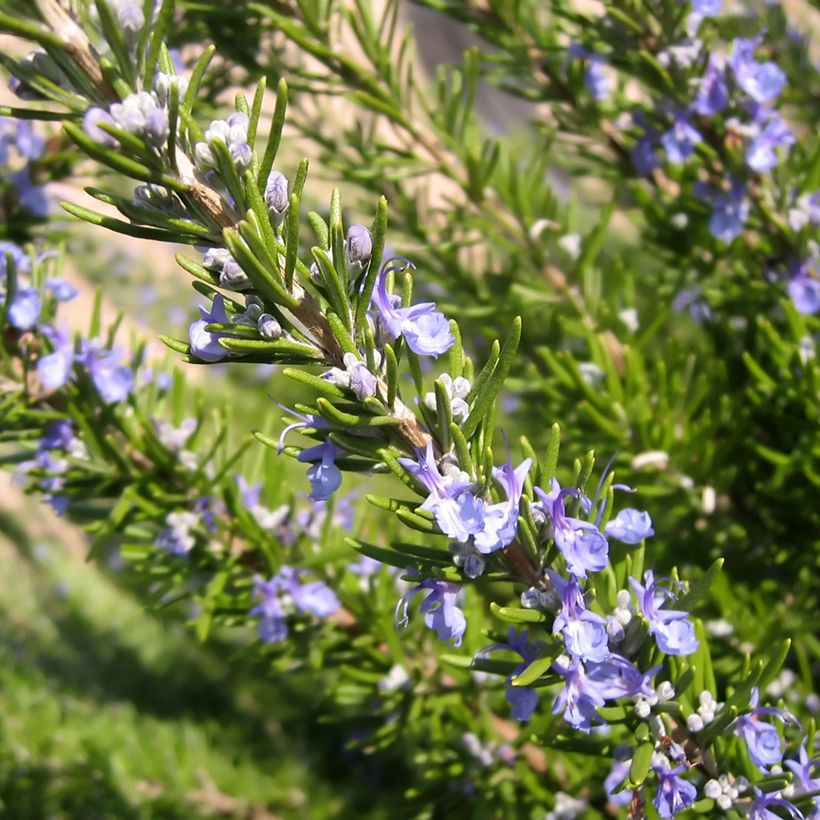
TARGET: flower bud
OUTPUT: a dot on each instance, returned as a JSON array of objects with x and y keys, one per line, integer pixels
[
  {"x": 268, "y": 326},
  {"x": 91, "y": 125},
  {"x": 358, "y": 249},
  {"x": 474, "y": 565},
  {"x": 233, "y": 277},
  {"x": 276, "y": 197}
]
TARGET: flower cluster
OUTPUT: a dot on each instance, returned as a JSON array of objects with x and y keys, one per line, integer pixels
[{"x": 283, "y": 595}]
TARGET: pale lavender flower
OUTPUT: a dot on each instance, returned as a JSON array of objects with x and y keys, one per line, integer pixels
[
  {"x": 763, "y": 82},
  {"x": 522, "y": 699},
  {"x": 457, "y": 511},
  {"x": 617, "y": 774},
  {"x": 24, "y": 309},
  {"x": 673, "y": 794},
  {"x": 63, "y": 291},
  {"x": 588, "y": 686},
  {"x": 54, "y": 369},
  {"x": 713, "y": 93},
  {"x": 204, "y": 344},
  {"x": 630, "y": 526},
  {"x": 273, "y": 627},
  {"x": 582, "y": 546},
  {"x": 584, "y": 631},
  {"x": 32, "y": 198},
  {"x": 762, "y": 739},
  {"x": 501, "y": 519},
  {"x": 596, "y": 80},
  {"x": 671, "y": 628},
  {"x": 760, "y": 153},
  {"x": 113, "y": 380},
  {"x": 441, "y": 612},
  {"x": 759, "y": 807},
  {"x": 680, "y": 140},
  {"x": 729, "y": 214},
  {"x": 804, "y": 288},
  {"x": 426, "y": 330},
  {"x": 643, "y": 155},
  {"x": 276, "y": 197},
  {"x": 324, "y": 476}
]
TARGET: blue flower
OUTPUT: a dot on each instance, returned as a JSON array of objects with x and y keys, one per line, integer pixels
[
  {"x": 674, "y": 794},
  {"x": 759, "y": 807},
  {"x": 426, "y": 330},
  {"x": 63, "y": 291},
  {"x": 729, "y": 214},
  {"x": 584, "y": 631},
  {"x": 113, "y": 380},
  {"x": 803, "y": 769},
  {"x": 713, "y": 93},
  {"x": 501, "y": 520},
  {"x": 762, "y": 739},
  {"x": 25, "y": 307},
  {"x": 523, "y": 699},
  {"x": 588, "y": 686},
  {"x": 54, "y": 369},
  {"x": 643, "y": 155},
  {"x": 617, "y": 774},
  {"x": 671, "y": 628},
  {"x": 283, "y": 592},
  {"x": 630, "y": 526},
  {"x": 760, "y": 154},
  {"x": 440, "y": 609},
  {"x": 680, "y": 140},
  {"x": 457, "y": 511},
  {"x": 763, "y": 82},
  {"x": 596, "y": 80},
  {"x": 205, "y": 345},
  {"x": 324, "y": 476},
  {"x": 804, "y": 289},
  {"x": 19, "y": 258},
  {"x": 583, "y": 547},
  {"x": 273, "y": 626}
]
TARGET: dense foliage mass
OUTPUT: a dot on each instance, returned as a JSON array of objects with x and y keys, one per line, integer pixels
[{"x": 565, "y": 572}]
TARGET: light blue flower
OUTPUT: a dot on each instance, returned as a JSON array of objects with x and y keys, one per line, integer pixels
[{"x": 630, "y": 526}]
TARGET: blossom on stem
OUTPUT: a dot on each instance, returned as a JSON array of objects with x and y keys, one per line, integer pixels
[
  {"x": 758, "y": 809},
  {"x": 730, "y": 210},
  {"x": 673, "y": 794},
  {"x": 457, "y": 511},
  {"x": 589, "y": 685},
  {"x": 713, "y": 93},
  {"x": 763, "y": 82},
  {"x": 584, "y": 631},
  {"x": 54, "y": 369},
  {"x": 114, "y": 381},
  {"x": 205, "y": 344},
  {"x": 583, "y": 547},
  {"x": 441, "y": 612},
  {"x": 680, "y": 140},
  {"x": 501, "y": 519},
  {"x": 760, "y": 153},
  {"x": 324, "y": 476},
  {"x": 425, "y": 329},
  {"x": 630, "y": 526},
  {"x": 522, "y": 699},
  {"x": 671, "y": 628},
  {"x": 762, "y": 739},
  {"x": 24, "y": 309},
  {"x": 285, "y": 592}
]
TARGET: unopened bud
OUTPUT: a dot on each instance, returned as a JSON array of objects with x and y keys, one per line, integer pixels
[
  {"x": 276, "y": 197},
  {"x": 358, "y": 249},
  {"x": 268, "y": 326}
]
